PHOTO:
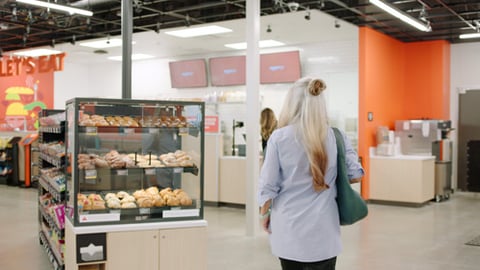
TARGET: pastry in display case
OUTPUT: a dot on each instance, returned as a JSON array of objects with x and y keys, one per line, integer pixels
[{"x": 132, "y": 161}]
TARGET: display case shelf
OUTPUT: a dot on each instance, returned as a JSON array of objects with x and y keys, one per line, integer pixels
[
  {"x": 52, "y": 129},
  {"x": 53, "y": 187},
  {"x": 54, "y": 160},
  {"x": 53, "y": 225},
  {"x": 93, "y": 173},
  {"x": 54, "y": 255},
  {"x": 51, "y": 190}
]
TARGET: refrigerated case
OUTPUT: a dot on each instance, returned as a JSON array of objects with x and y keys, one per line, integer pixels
[{"x": 135, "y": 169}]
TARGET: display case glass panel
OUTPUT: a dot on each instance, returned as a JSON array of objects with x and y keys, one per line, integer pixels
[{"x": 134, "y": 161}]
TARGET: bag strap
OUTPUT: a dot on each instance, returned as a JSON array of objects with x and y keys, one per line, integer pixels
[
  {"x": 340, "y": 143},
  {"x": 341, "y": 163}
]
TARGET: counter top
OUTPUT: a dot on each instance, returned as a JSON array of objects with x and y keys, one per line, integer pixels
[
  {"x": 233, "y": 157},
  {"x": 404, "y": 157},
  {"x": 136, "y": 226}
]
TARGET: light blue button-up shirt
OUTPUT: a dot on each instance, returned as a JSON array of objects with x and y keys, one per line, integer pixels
[{"x": 304, "y": 224}]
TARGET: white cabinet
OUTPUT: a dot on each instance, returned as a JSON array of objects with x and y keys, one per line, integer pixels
[
  {"x": 132, "y": 250},
  {"x": 189, "y": 243},
  {"x": 405, "y": 179},
  {"x": 149, "y": 246},
  {"x": 180, "y": 249}
]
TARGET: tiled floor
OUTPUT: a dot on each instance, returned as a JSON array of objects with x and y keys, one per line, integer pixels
[{"x": 431, "y": 237}]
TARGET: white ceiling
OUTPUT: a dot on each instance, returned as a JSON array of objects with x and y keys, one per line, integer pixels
[{"x": 291, "y": 28}]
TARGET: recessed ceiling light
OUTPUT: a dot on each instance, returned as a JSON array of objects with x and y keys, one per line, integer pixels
[
  {"x": 69, "y": 9},
  {"x": 102, "y": 44},
  {"x": 198, "y": 31},
  {"x": 262, "y": 44},
  {"x": 37, "y": 52},
  {"x": 138, "y": 56}
]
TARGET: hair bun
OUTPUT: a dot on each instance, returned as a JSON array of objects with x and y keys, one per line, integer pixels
[{"x": 316, "y": 86}]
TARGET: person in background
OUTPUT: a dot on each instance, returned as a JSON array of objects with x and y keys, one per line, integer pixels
[
  {"x": 268, "y": 123},
  {"x": 297, "y": 182}
]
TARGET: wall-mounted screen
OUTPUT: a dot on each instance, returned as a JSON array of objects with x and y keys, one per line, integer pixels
[
  {"x": 280, "y": 67},
  {"x": 227, "y": 70},
  {"x": 188, "y": 73}
]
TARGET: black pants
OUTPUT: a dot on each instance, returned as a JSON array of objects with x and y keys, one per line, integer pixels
[{"x": 328, "y": 264}]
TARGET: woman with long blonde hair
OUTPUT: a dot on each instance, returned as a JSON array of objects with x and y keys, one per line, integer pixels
[
  {"x": 268, "y": 123},
  {"x": 297, "y": 182}
]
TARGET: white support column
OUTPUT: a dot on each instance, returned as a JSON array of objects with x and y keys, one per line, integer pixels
[{"x": 253, "y": 115}]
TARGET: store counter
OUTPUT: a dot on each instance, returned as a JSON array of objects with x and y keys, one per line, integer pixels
[
  {"x": 232, "y": 180},
  {"x": 402, "y": 179}
]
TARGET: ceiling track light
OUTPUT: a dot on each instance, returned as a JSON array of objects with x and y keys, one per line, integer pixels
[
  {"x": 321, "y": 4},
  {"x": 307, "y": 15},
  {"x": 402, "y": 16},
  {"x": 68, "y": 9},
  {"x": 187, "y": 21},
  {"x": 337, "y": 24},
  {"x": 423, "y": 14},
  {"x": 14, "y": 14}
]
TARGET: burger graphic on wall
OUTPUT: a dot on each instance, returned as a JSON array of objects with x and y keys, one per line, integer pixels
[{"x": 22, "y": 108}]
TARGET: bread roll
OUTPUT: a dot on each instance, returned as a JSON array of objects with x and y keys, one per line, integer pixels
[
  {"x": 128, "y": 198},
  {"x": 114, "y": 203},
  {"x": 159, "y": 202},
  {"x": 165, "y": 191},
  {"x": 122, "y": 194},
  {"x": 98, "y": 205},
  {"x": 172, "y": 201},
  {"x": 129, "y": 205},
  {"x": 109, "y": 196},
  {"x": 185, "y": 201},
  {"x": 139, "y": 193},
  {"x": 145, "y": 202},
  {"x": 152, "y": 190}
]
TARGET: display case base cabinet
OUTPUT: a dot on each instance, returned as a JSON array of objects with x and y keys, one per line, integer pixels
[
  {"x": 402, "y": 180},
  {"x": 165, "y": 249}
]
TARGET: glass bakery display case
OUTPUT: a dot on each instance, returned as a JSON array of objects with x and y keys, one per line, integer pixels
[{"x": 133, "y": 161}]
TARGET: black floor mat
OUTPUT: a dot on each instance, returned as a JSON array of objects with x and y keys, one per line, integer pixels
[{"x": 474, "y": 242}]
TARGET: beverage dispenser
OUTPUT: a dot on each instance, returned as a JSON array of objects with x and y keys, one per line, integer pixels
[{"x": 442, "y": 150}]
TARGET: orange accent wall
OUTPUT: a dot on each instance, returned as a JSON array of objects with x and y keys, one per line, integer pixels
[
  {"x": 398, "y": 81},
  {"x": 428, "y": 68}
]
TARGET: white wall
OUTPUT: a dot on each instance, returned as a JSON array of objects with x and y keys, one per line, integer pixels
[
  {"x": 335, "y": 62},
  {"x": 464, "y": 75},
  {"x": 84, "y": 80}
]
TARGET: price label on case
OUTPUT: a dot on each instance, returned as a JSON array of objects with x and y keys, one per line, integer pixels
[
  {"x": 144, "y": 211},
  {"x": 183, "y": 131},
  {"x": 178, "y": 170},
  {"x": 128, "y": 130},
  {"x": 90, "y": 174},
  {"x": 91, "y": 130},
  {"x": 150, "y": 172},
  {"x": 122, "y": 172},
  {"x": 153, "y": 130}
]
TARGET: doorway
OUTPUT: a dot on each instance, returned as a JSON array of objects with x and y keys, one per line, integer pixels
[{"x": 468, "y": 172}]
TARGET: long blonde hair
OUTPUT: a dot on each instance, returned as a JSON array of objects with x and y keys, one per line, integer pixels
[
  {"x": 305, "y": 108},
  {"x": 268, "y": 123}
]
